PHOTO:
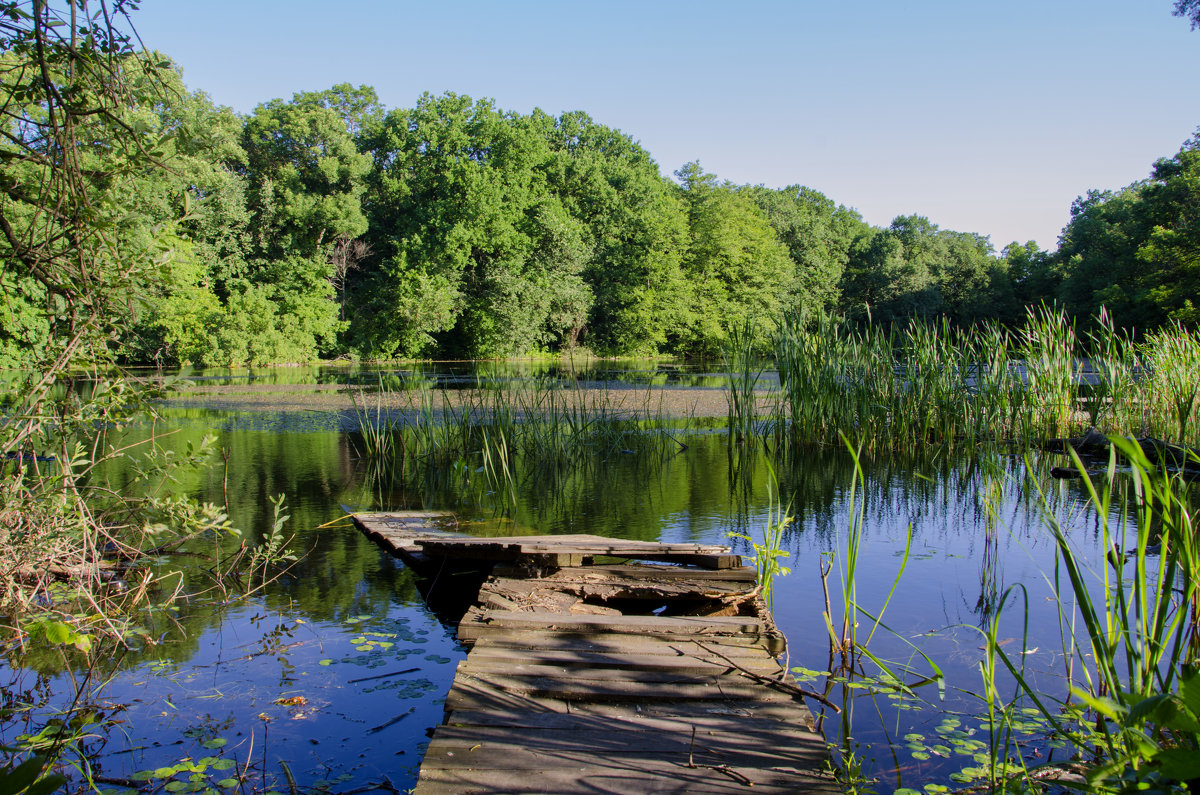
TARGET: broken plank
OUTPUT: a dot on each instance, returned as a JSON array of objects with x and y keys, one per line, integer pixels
[
  {"x": 761, "y": 663},
  {"x": 660, "y": 571},
  {"x": 525, "y": 639},
  {"x": 667, "y": 625},
  {"x": 570, "y": 547}
]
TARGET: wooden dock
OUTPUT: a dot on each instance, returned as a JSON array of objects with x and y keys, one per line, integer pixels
[{"x": 591, "y": 671}]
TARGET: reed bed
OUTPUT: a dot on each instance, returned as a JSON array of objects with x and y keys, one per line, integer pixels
[
  {"x": 1130, "y": 625},
  {"x": 744, "y": 367},
  {"x": 929, "y": 382},
  {"x": 510, "y": 429}
]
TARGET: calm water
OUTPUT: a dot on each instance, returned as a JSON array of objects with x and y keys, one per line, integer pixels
[{"x": 333, "y": 673}]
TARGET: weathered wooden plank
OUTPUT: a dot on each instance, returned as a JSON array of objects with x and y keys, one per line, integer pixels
[
  {"x": 455, "y": 746},
  {"x": 707, "y": 726},
  {"x": 637, "y": 571},
  {"x": 423, "y": 523},
  {"x": 645, "y": 587},
  {"x": 398, "y": 532},
  {"x": 514, "y": 547},
  {"x": 651, "y": 625},
  {"x": 604, "y": 736},
  {"x": 543, "y": 752},
  {"x": 551, "y": 700},
  {"x": 793, "y": 713},
  {"x": 572, "y": 687},
  {"x": 711, "y": 675},
  {"x": 587, "y": 539},
  {"x": 587, "y": 544},
  {"x": 645, "y": 777},
  {"x": 605, "y": 586},
  {"x": 583, "y": 641},
  {"x": 760, "y": 661},
  {"x": 475, "y": 626},
  {"x": 470, "y": 694}
]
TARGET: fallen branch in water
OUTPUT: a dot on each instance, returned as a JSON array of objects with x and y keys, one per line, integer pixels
[
  {"x": 394, "y": 720},
  {"x": 382, "y": 676}
]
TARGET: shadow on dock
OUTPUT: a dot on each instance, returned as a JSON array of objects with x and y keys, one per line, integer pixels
[{"x": 592, "y": 671}]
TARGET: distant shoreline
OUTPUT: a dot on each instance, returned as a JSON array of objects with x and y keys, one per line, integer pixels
[{"x": 640, "y": 402}]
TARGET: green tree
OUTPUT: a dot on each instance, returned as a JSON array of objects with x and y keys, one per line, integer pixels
[
  {"x": 476, "y": 252},
  {"x": 885, "y": 281},
  {"x": 359, "y": 108},
  {"x": 913, "y": 269},
  {"x": 1032, "y": 273},
  {"x": 76, "y": 147},
  {"x": 202, "y": 195},
  {"x": 1170, "y": 255},
  {"x": 972, "y": 282},
  {"x": 305, "y": 183},
  {"x": 736, "y": 268},
  {"x": 819, "y": 236},
  {"x": 1190, "y": 10},
  {"x": 1137, "y": 251},
  {"x": 633, "y": 225}
]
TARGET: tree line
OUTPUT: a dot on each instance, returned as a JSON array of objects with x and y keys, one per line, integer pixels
[{"x": 328, "y": 225}]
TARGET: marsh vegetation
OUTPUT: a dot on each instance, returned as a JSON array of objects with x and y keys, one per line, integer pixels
[{"x": 184, "y": 608}]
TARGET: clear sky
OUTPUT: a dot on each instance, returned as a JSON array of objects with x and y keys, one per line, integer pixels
[{"x": 987, "y": 117}]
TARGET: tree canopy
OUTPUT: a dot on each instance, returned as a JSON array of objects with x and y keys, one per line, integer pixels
[
  {"x": 328, "y": 225},
  {"x": 1190, "y": 10}
]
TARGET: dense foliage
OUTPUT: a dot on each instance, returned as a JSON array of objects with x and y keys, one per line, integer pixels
[
  {"x": 1136, "y": 251},
  {"x": 328, "y": 225}
]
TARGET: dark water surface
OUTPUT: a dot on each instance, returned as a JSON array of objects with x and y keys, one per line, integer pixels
[{"x": 333, "y": 673}]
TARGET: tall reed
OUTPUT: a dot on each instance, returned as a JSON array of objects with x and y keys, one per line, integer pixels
[
  {"x": 848, "y": 648},
  {"x": 501, "y": 431},
  {"x": 768, "y": 547},
  {"x": 1111, "y": 385},
  {"x": 1047, "y": 350},
  {"x": 931, "y": 383},
  {"x": 743, "y": 368},
  {"x": 1172, "y": 357},
  {"x": 1137, "y": 646},
  {"x": 374, "y": 424}
]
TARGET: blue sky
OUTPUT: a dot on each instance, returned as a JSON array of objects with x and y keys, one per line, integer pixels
[{"x": 987, "y": 117}]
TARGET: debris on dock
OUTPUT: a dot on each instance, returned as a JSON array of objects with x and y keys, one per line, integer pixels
[{"x": 590, "y": 670}]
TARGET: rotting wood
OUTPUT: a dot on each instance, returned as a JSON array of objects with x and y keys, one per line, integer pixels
[
  {"x": 611, "y": 677},
  {"x": 571, "y": 550},
  {"x": 627, "y": 659}
]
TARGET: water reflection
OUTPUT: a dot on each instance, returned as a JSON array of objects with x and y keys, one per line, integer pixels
[
  {"x": 466, "y": 375},
  {"x": 341, "y": 626}
]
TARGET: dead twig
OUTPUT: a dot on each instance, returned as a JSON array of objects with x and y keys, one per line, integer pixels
[
  {"x": 393, "y": 721},
  {"x": 793, "y": 689},
  {"x": 382, "y": 676}
]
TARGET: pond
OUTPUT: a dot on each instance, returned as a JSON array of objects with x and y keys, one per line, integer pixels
[{"x": 330, "y": 675}]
